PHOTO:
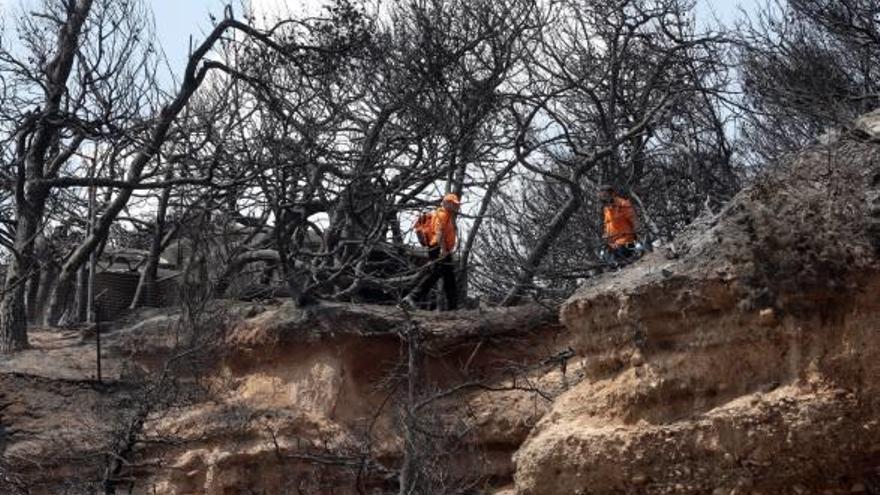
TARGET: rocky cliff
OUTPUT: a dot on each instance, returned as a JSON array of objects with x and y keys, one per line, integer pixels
[{"x": 742, "y": 359}]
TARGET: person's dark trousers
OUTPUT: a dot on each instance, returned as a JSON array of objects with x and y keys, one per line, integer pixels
[
  {"x": 624, "y": 255},
  {"x": 444, "y": 268}
]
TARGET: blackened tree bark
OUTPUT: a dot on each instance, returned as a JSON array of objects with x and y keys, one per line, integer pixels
[
  {"x": 147, "y": 283},
  {"x": 36, "y": 139}
]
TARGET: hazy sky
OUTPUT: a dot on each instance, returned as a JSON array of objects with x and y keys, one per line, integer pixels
[{"x": 177, "y": 19}]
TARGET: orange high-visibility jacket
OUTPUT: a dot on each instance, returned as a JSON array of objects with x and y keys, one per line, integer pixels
[
  {"x": 442, "y": 222},
  {"x": 620, "y": 222}
]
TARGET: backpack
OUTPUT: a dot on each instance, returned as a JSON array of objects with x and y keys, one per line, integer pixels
[{"x": 424, "y": 228}]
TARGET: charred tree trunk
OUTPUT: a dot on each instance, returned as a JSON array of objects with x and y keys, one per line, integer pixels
[
  {"x": 409, "y": 468},
  {"x": 557, "y": 225},
  {"x": 30, "y": 196},
  {"x": 82, "y": 297},
  {"x": 195, "y": 73},
  {"x": 33, "y": 292},
  {"x": 60, "y": 298},
  {"x": 48, "y": 276},
  {"x": 147, "y": 283},
  {"x": 13, "y": 312}
]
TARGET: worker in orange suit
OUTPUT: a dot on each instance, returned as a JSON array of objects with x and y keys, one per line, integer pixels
[
  {"x": 441, "y": 245},
  {"x": 620, "y": 224}
]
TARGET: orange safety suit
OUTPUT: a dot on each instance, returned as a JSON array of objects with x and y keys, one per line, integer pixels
[
  {"x": 620, "y": 222},
  {"x": 442, "y": 222}
]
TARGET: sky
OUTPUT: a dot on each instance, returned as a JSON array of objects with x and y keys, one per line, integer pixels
[{"x": 177, "y": 19}]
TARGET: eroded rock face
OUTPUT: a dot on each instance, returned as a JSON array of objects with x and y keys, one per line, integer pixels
[
  {"x": 290, "y": 400},
  {"x": 713, "y": 404}
]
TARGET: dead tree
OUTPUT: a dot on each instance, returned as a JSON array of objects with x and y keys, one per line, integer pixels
[
  {"x": 43, "y": 150},
  {"x": 38, "y": 154},
  {"x": 613, "y": 74},
  {"x": 806, "y": 66}
]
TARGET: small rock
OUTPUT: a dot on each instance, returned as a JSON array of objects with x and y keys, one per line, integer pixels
[
  {"x": 869, "y": 125},
  {"x": 639, "y": 479},
  {"x": 254, "y": 310},
  {"x": 829, "y": 136},
  {"x": 744, "y": 483},
  {"x": 637, "y": 359},
  {"x": 767, "y": 317},
  {"x": 769, "y": 387}
]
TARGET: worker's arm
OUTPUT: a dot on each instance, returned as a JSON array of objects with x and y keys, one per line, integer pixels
[
  {"x": 606, "y": 225},
  {"x": 440, "y": 221},
  {"x": 632, "y": 217}
]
